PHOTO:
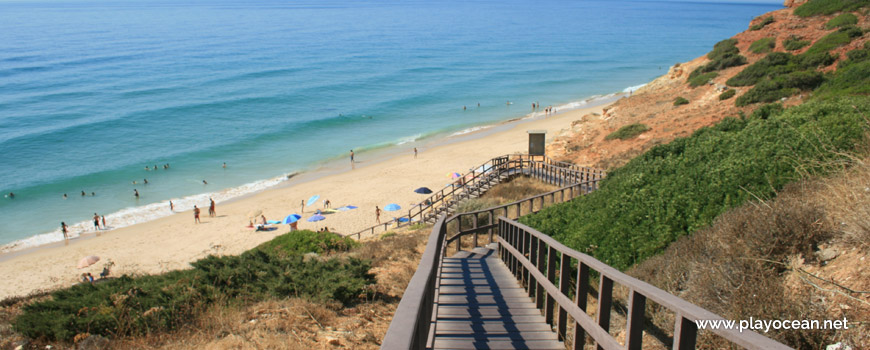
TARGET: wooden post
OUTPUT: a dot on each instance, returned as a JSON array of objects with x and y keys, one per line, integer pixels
[
  {"x": 685, "y": 333},
  {"x": 533, "y": 258},
  {"x": 551, "y": 276},
  {"x": 474, "y": 227},
  {"x": 605, "y": 298},
  {"x": 634, "y": 333},
  {"x": 564, "y": 283},
  {"x": 580, "y": 292},
  {"x": 539, "y": 293}
]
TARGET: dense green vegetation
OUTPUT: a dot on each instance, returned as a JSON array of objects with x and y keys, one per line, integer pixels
[
  {"x": 842, "y": 20},
  {"x": 139, "y": 305},
  {"x": 763, "y": 45},
  {"x": 304, "y": 241},
  {"x": 829, "y": 7},
  {"x": 727, "y": 94},
  {"x": 780, "y": 75},
  {"x": 677, "y": 188},
  {"x": 701, "y": 79},
  {"x": 628, "y": 132},
  {"x": 852, "y": 77},
  {"x": 794, "y": 42},
  {"x": 725, "y": 54},
  {"x": 680, "y": 100},
  {"x": 767, "y": 20},
  {"x": 841, "y": 37}
]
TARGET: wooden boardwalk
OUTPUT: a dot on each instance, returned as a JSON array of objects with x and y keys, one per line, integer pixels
[{"x": 480, "y": 305}]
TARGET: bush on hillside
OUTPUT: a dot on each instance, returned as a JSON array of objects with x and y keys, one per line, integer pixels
[
  {"x": 146, "y": 304},
  {"x": 306, "y": 241},
  {"x": 727, "y": 94},
  {"x": 780, "y": 87},
  {"x": 677, "y": 188},
  {"x": 763, "y": 45},
  {"x": 829, "y": 7},
  {"x": 841, "y": 37},
  {"x": 852, "y": 77},
  {"x": 794, "y": 42},
  {"x": 725, "y": 54},
  {"x": 680, "y": 100},
  {"x": 628, "y": 132},
  {"x": 842, "y": 20},
  {"x": 701, "y": 79},
  {"x": 767, "y": 20},
  {"x": 767, "y": 111}
]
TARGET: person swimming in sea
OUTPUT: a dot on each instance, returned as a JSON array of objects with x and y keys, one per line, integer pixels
[
  {"x": 10, "y": 195},
  {"x": 64, "y": 196},
  {"x": 145, "y": 181},
  {"x": 83, "y": 193},
  {"x": 136, "y": 193},
  {"x": 204, "y": 182}
]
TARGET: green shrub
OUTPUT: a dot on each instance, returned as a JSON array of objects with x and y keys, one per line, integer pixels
[
  {"x": 680, "y": 101},
  {"x": 842, "y": 20},
  {"x": 841, "y": 37},
  {"x": 727, "y": 94},
  {"x": 763, "y": 45},
  {"x": 829, "y": 7},
  {"x": 677, "y": 188},
  {"x": 771, "y": 90},
  {"x": 724, "y": 55},
  {"x": 628, "y": 132},
  {"x": 305, "y": 241},
  {"x": 388, "y": 235},
  {"x": 701, "y": 79},
  {"x": 794, "y": 42},
  {"x": 141, "y": 305},
  {"x": 767, "y": 20},
  {"x": 767, "y": 111}
]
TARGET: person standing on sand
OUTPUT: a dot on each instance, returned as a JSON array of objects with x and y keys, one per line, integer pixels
[
  {"x": 96, "y": 222},
  {"x": 351, "y": 156},
  {"x": 378, "y": 214},
  {"x": 303, "y": 206},
  {"x": 171, "y": 207},
  {"x": 415, "y": 152},
  {"x": 65, "y": 230},
  {"x": 195, "y": 214},
  {"x": 103, "y": 220},
  {"x": 211, "y": 211}
]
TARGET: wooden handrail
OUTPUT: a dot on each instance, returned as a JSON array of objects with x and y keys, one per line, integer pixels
[
  {"x": 532, "y": 257},
  {"x": 514, "y": 250},
  {"x": 541, "y": 167}
]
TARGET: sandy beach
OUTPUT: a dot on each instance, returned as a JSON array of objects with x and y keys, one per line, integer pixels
[{"x": 173, "y": 242}]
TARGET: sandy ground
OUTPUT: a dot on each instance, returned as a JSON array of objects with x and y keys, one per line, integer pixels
[{"x": 173, "y": 242}]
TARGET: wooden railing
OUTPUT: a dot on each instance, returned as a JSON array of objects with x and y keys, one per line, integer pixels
[
  {"x": 411, "y": 323},
  {"x": 478, "y": 180},
  {"x": 534, "y": 259}
]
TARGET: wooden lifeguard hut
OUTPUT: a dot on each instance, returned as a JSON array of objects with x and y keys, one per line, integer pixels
[{"x": 537, "y": 142}]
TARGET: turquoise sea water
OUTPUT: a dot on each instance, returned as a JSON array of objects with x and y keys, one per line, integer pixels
[{"x": 91, "y": 92}]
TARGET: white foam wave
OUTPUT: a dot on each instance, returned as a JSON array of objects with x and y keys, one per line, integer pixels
[
  {"x": 471, "y": 130},
  {"x": 408, "y": 139},
  {"x": 135, "y": 215},
  {"x": 633, "y": 88}
]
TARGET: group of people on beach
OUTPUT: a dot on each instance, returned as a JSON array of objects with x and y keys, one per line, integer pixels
[
  {"x": 547, "y": 110},
  {"x": 211, "y": 210}
]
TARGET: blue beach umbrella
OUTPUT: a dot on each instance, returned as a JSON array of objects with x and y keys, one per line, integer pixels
[
  {"x": 313, "y": 199},
  {"x": 392, "y": 207},
  {"x": 316, "y": 218},
  {"x": 423, "y": 190},
  {"x": 291, "y": 219}
]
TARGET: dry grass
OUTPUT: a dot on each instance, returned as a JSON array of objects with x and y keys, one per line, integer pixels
[
  {"x": 761, "y": 260},
  {"x": 517, "y": 188}
]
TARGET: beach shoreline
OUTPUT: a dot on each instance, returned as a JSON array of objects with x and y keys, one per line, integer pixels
[{"x": 380, "y": 177}]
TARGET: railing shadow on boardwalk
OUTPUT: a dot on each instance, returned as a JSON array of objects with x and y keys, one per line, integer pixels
[{"x": 555, "y": 277}]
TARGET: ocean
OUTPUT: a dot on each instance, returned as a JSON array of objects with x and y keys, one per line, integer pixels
[{"x": 93, "y": 92}]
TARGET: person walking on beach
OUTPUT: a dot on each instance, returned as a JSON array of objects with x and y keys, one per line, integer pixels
[
  {"x": 136, "y": 193},
  {"x": 171, "y": 207},
  {"x": 415, "y": 152},
  {"x": 351, "y": 156},
  {"x": 378, "y": 214},
  {"x": 65, "y": 230},
  {"x": 103, "y": 220},
  {"x": 211, "y": 211},
  {"x": 96, "y": 222},
  {"x": 195, "y": 214},
  {"x": 303, "y": 206}
]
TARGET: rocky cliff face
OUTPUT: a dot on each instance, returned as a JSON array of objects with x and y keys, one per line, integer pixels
[
  {"x": 793, "y": 3},
  {"x": 653, "y": 105}
]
